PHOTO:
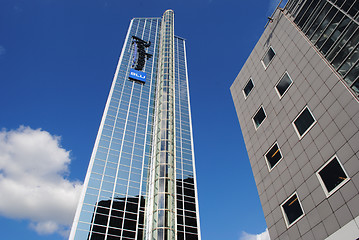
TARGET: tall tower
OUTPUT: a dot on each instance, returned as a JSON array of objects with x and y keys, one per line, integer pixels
[
  {"x": 141, "y": 182},
  {"x": 297, "y": 101}
]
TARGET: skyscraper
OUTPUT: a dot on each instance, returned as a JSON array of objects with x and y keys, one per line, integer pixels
[
  {"x": 141, "y": 182},
  {"x": 296, "y": 99}
]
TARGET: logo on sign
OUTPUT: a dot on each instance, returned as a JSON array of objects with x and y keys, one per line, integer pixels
[{"x": 137, "y": 75}]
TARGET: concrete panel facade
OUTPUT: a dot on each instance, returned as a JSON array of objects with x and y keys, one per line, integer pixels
[{"x": 335, "y": 133}]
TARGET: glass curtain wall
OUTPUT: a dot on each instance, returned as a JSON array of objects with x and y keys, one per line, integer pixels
[
  {"x": 141, "y": 182},
  {"x": 115, "y": 186},
  {"x": 187, "y": 205}
]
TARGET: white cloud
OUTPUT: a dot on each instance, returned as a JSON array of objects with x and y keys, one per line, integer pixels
[
  {"x": 33, "y": 184},
  {"x": 262, "y": 236}
]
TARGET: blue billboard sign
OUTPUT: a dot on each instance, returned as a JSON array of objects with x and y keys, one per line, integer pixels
[{"x": 137, "y": 75}]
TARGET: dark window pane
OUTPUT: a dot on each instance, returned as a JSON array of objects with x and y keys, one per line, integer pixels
[
  {"x": 349, "y": 62},
  {"x": 268, "y": 57},
  {"x": 113, "y": 237},
  {"x": 334, "y": 23},
  {"x": 347, "y": 4},
  {"x": 128, "y": 234},
  {"x": 190, "y": 236},
  {"x": 304, "y": 121},
  {"x": 332, "y": 175},
  {"x": 180, "y": 236},
  {"x": 335, "y": 36},
  {"x": 101, "y": 220},
  {"x": 97, "y": 236},
  {"x": 283, "y": 84},
  {"x": 100, "y": 229},
  {"x": 115, "y": 222},
  {"x": 191, "y": 214},
  {"x": 292, "y": 209},
  {"x": 354, "y": 9},
  {"x": 273, "y": 156},
  {"x": 114, "y": 231},
  {"x": 346, "y": 50},
  {"x": 248, "y": 88},
  {"x": 324, "y": 24},
  {"x": 300, "y": 19},
  {"x": 191, "y": 230},
  {"x": 189, "y": 199},
  {"x": 314, "y": 14},
  {"x": 259, "y": 117},
  {"x": 342, "y": 41},
  {"x": 180, "y": 228},
  {"x": 189, "y": 206},
  {"x": 352, "y": 75},
  {"x": 355, "y": 87},
  {"x": 318, "y": 20},
  {"x": 179, "y": 219},
  {"x": 191, "y": 221}
]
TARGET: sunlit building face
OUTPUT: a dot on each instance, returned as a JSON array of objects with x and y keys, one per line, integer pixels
[{"x": 140, "y": 182}]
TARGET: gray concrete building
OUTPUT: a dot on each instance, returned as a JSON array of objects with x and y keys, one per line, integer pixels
[{"x": 296, "y": 99}]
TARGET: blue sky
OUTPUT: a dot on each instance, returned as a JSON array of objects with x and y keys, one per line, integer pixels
[{"x": 57, "y": 60}]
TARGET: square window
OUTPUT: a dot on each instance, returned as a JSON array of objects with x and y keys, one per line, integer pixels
[
  {"x": 283, "y": 85},
  {"x": 259, "y": 117},
  {"x": 292, "y": 210},
  {"x": 332, "y": 176},
  {"x": 248, "y": 88},
  {"x": 273, "y": 156},
  {"x": 268, "y": 57},
  {"x": 304, "y": 122}
]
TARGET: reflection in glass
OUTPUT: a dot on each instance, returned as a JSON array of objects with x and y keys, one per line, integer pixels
[
  {"x": 259, "y": 117},
  {"x": 355, "y": 87},
  {"x": 121, "y": 162},
  {"x": 248, "y": 88},
  {"x": 283, "y": 84},
  {"x": 116, "y": 220},
  {"x": 323, "y": 25},
  {"x": 304, "y": 121},
  {"x": 345, "y": 51},
  {"x": 268, "y": 57},
  {"x": 349, "y": 62},
  {"x": 334, "y": 23}
]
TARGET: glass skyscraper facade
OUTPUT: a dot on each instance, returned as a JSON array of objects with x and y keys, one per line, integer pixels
[{"x": 141, "y": 182}]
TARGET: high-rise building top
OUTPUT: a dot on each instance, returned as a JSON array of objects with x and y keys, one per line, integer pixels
[
  {"x": 333, "y": 28},
  {"x": 296, "y": 99},
  {"x": 141, "y": 182}
]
